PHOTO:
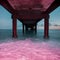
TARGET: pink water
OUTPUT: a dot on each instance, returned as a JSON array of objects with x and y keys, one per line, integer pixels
[{"x": 28, "y": 50}]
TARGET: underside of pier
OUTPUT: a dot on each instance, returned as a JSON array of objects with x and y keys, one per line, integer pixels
[{"x": 30, "y": 12}]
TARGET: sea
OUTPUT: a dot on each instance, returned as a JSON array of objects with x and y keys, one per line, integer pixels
[
  {"x": 6, "y": 34},
  {"x": 29, "y": 46}
]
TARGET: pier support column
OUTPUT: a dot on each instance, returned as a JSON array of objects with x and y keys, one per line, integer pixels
[
  {"x": 14, "y": 26},
  {"x": 23, "y": 28},
  {"x": 26, "y": 27},
  {"x": 46, "y": 26},
  {"x": 35, "y": 28}
]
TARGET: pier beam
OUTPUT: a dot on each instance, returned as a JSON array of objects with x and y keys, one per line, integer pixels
[
  {"x": 14, "y": 26},
  {"x": 46, "y": 26}
]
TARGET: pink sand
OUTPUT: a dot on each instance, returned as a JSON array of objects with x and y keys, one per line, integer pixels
[{"x": 28, "y": 50}]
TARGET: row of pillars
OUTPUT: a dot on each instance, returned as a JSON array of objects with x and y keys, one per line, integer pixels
[
  {"x": 31, "y": 27},
  {"x": 46, "y": 26}
]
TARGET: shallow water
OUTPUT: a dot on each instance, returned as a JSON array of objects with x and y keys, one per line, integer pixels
[
  {"x": 29, "y": 46},
  {"x": 7, "y": 34}
]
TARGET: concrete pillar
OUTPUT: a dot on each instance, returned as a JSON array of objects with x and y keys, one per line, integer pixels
[
  {"x": 26, "y": 27},
  {"x": 46, "y": 26},
  {"x": 35, "y": 28},
  {"x": 14, "y": 26},
  {"x": 23, "y": 28}
]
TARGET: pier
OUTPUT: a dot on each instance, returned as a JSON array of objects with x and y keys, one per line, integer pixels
[{"x": 29, "y": 13}]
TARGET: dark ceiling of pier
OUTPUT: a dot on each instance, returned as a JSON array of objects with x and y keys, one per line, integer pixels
[
  {"x": 41, "y": 5},
  {"x": 29, "y": 9}
]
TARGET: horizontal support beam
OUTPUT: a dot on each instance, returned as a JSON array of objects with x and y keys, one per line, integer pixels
[
  {"x": 7, "y": 6},
  {"x": 53, "y": 6}
]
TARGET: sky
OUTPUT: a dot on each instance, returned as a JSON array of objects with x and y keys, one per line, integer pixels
[{"x": 6, "y": 20}]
